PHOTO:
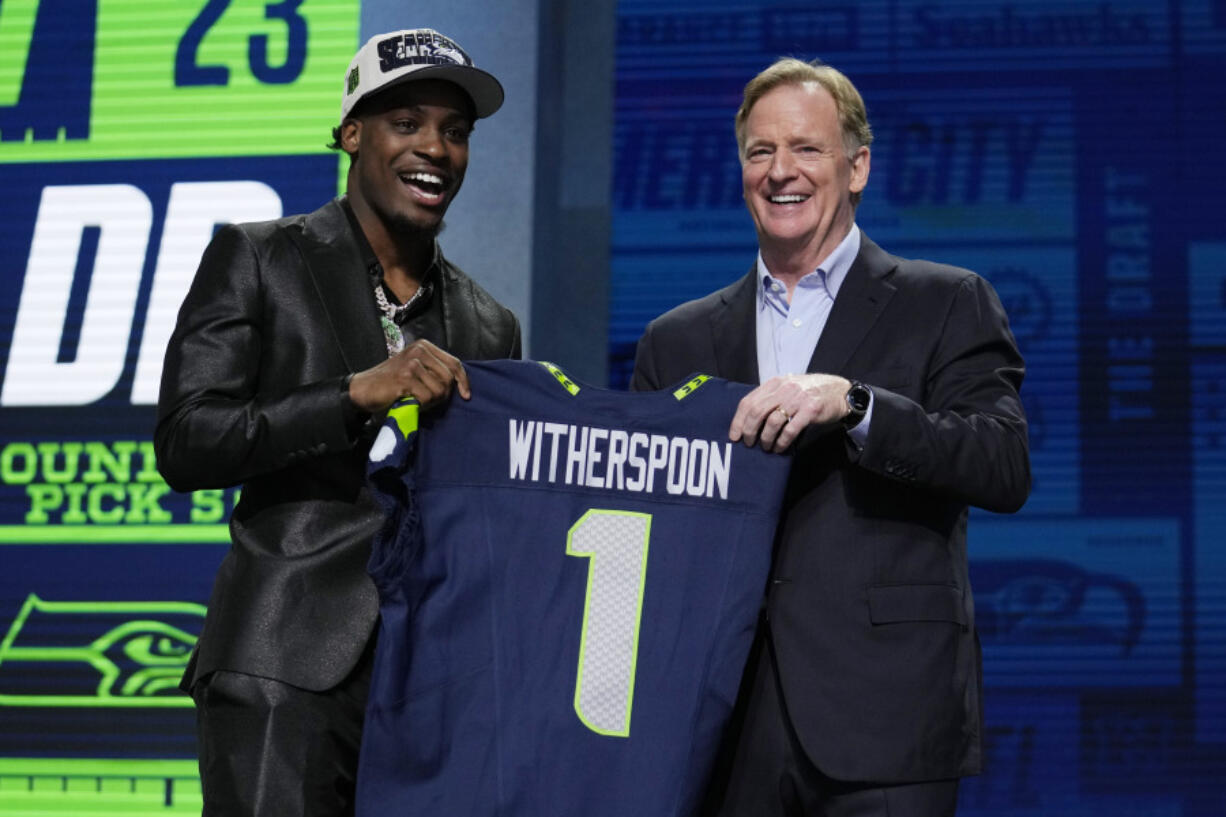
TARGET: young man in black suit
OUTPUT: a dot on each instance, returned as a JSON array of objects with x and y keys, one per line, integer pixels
[
  {"x": 894, "y": 385},
  {"x": 296, "y": 335}
]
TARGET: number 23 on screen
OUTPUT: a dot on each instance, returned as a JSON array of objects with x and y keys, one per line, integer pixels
[{"x": 190, "y": 71}]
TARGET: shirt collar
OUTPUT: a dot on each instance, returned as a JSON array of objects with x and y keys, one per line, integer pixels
[
  {"x": 370, "y": 262},
  {"x": 832, "y": 271}
]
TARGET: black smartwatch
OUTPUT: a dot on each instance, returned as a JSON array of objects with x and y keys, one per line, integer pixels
[{"x": 859, "y": 397}]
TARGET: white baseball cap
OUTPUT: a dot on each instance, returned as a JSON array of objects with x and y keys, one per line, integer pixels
[{"x": 418, "y": 53}]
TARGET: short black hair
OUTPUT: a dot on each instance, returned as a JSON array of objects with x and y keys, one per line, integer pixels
[
  {"x": 335, "y": 144},
  {"x": 356, "y": 112}
]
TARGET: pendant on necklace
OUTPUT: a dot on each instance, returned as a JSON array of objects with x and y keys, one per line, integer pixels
[{"x": 392, "y": 335}]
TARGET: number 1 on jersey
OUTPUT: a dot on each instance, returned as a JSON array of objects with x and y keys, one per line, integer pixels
[{"x": 615, "y": 543}]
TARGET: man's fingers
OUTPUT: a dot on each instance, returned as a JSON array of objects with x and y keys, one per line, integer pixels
[
  {"x": 796, "y": 422},
  {"x": 752, "y": 412},
  {"x": 429, "y": 381},
  {"x": 755, "y": 421},
  {"x": 776, "y": 412},
  {"x": 449, "y": 370},
  {"x": 461, "y": 381},
  {"x": 773, "y": 427},
  {"x": 432, "y": 372},
  {"x": 745, "y": 423}
]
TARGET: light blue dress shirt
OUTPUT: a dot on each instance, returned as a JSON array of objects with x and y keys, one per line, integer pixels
[{"x": 788, "y": 332}]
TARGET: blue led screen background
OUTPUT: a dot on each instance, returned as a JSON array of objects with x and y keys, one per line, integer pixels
[
  {"x": 128, "y": 131},
  {"x": 1071, "y": 153}
]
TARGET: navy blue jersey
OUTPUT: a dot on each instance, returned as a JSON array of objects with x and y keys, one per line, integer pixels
[{"x": 569, "y": 581}]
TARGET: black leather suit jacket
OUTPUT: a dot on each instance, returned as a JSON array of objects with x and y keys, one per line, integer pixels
[{"x": 252, "y": 393}]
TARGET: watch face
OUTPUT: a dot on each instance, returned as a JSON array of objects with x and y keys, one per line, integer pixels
[{"x": 858, "y": 397}]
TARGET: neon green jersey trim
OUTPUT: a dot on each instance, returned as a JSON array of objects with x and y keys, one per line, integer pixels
[
  {"x": 689, "y": 388},
  {"x": 568, "y": 384},
  {"x": 406, "y": 415}
]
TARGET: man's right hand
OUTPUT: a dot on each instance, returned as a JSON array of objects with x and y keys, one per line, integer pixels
[{"x": 421, "y": 371}]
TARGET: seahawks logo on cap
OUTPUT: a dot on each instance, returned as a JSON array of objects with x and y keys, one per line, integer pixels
[
  {"x": 420, "y": 48},
  {"x": 353, "y": 80}
]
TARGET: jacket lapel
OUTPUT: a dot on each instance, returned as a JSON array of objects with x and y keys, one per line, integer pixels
[
  {"x": 459, "y": 313},
  {"x": 734, "y": 332},
  {"x": 863, "y": 296},
  {"x": 334, "y": 262}
]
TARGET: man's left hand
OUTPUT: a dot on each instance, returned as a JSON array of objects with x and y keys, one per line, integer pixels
[{"x": 774, "y": 414}]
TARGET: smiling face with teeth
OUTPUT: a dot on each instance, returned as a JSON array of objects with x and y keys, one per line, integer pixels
[
  {"x": 797, "y": 177},
  {"x": 410, "y": 149}
]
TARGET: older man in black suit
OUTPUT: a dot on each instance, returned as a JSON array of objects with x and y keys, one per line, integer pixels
[
  {"x": 894, "y": 383},
  {"x": 296, "y": 335}
]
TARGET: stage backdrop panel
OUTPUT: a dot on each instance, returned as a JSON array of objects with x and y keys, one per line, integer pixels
[
  {"x": 1070, "y": 152},
  {"x": 129, "y": 131}
]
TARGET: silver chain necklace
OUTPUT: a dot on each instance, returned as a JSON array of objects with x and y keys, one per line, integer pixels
[{"x": 389, "y": 319}]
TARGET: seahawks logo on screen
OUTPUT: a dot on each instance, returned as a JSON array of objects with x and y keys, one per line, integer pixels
[
  {"x": 1050, "y": 602},
  {"x": 98, "y": 654},
  {"x": 46, "y": 68}
]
